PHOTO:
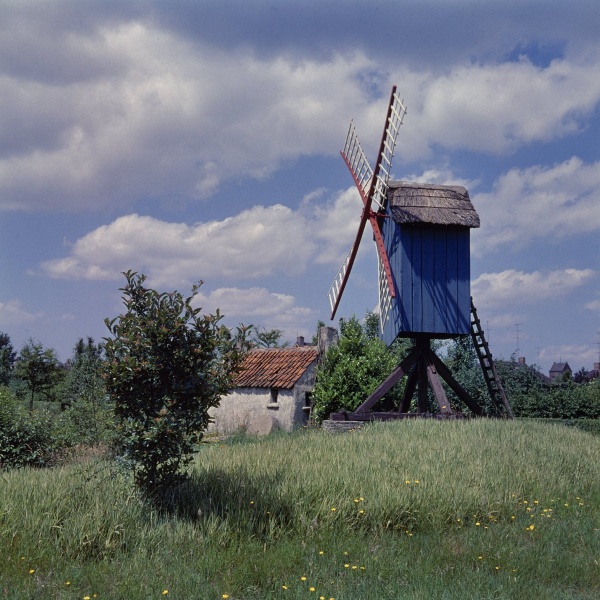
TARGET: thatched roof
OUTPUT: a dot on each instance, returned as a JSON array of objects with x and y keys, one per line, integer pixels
[{"x": 431, "y": 204}]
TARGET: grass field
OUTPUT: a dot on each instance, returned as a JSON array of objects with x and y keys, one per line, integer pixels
[{"x": 416, "y": 509}]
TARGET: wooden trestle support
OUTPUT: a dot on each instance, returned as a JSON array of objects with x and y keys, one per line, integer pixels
[{"x": 424, "y": 369}]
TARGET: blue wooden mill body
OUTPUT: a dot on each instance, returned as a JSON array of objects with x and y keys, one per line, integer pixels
[{"x": 427, "y": 236}]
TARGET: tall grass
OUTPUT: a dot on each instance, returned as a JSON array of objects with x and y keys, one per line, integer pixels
[{"x": 417, "y": 509}]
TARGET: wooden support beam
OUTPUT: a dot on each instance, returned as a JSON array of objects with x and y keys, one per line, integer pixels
[
  {"x": 424, "y": 369},
  {"x": 409, "y": 390},
  {"x": 438, "y": 390},
  {"x": 390, "y": 416},
  {"x": 389, "y": 383},
  {"x": 464, "y": 396}
]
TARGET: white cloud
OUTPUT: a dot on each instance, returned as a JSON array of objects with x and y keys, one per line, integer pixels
[
  {"x": 592, "y": 305},
  {"x": 440, "y": 175},
  {"x": 577, "y": 355},
  {"x": 515, "y": 288},
  {"x": 539, "y": 203},
  {"x": 258, "y": 242},
  {"x": 158, "y": 115},
  {"x": 336, "y": 225},
  {"x": 250, "y": 302},
  {"x": 496, "y": 108},
  {"x": 174, "y": 118},
  {"x": 13, "y": 313},
  {"x": 259, "y": 306}
]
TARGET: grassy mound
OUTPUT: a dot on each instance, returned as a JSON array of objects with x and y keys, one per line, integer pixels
[{"x": 415, "y": 509}]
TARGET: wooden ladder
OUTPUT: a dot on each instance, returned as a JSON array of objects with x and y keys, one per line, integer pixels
[{"x": 492, "y": 380}]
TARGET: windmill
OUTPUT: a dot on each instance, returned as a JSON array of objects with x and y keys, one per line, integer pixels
[{"x": 422, "y": 236}]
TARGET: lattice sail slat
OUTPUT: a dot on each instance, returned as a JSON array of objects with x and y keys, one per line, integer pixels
[
  {"x": 357, "y": 161},
  {"x": 372, "y": 185},
  {"x": 383, "y": 166},
  {"x": 336, "y": 286},
  {"x": 385, "y": 297}
]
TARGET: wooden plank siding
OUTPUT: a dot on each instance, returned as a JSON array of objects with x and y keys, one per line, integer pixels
[{"x": 431, "y": 269}]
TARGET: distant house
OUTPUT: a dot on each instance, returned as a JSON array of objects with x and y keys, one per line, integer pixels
[
  {"x": 584, "y": 376},
  {"x": 273, "y": 391},
  {"x": 559, "y": 369},
  {"x": 510, "y": 366}
]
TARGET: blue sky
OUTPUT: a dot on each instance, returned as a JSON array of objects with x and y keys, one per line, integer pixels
[{"x": 200, "y": 141}]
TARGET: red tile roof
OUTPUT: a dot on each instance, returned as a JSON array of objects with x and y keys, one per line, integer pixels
[{"x": 275, "y": 367}]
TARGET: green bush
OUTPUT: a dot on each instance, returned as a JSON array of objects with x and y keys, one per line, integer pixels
[
  {"x": 559, "y": 401},
  {"x": 166, "y": 365},
  {"x": 87, "y": 423},
  {"x": 354, "y": 368},
  {"x": 26, "y": 439}
]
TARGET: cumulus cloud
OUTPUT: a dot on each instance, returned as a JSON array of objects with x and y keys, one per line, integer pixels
[
  {"x": 539, "y": 202},
  {"x": 172, "y": 118},
  {"x": 259, "y": 306},
  {"x": 499, "y": 107},
  {"x": 592, "y": 305},
  {"x": 513, "y": 288},
  {"x": 12, "y": 312},
  {"x": 158, "y": 114},
  {"x": 258, "y": 242},
  {"x": 577, "y": 355}
]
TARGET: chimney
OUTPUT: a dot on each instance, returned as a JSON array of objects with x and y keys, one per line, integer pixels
[
  {"x": 522, "y": 360},
  {"x": 328, "y": 336},
  {"x": 597, "y": 366},
  {"x": 300, "y": 340}
]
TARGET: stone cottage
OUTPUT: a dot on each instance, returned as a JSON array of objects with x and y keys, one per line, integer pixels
[{"x": 273, "y": 391}]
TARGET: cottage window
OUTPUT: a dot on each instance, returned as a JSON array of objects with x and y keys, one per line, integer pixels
[
  {"x": 274, "y": 398},
  {"x": 306, "y": 408}
]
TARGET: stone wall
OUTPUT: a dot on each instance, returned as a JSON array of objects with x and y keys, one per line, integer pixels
[{"x": 252, "y": 410}]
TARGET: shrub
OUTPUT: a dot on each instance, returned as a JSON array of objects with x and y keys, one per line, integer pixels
[
  {"x": 26, "y": 439},
  {"x": 166, "y": 365},
  {"x": 354, "y": 368}
]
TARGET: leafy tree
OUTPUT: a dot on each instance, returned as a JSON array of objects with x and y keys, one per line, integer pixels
[
  {"x": 7, "y": 358},
  {"x": 354, "y": 368},
  {"x": 39, "y": 369},
  {"x": 26, "y": 439},
  {"x": 371, "y": 325},
  {"x": 166, "y": 365},
  {"x": 315, "y": 337},
  {"x": 267, "y": 338},
  {"x": 84, "y": 379},
  {"x": 83, "y": 394},
  {"x": 462, "y": 361}
]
